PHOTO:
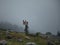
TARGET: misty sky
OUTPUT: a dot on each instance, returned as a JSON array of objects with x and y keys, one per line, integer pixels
[{"x": 42, "y": 15}]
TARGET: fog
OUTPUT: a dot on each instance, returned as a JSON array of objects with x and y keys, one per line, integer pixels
[{"x": 42, "y": 15}]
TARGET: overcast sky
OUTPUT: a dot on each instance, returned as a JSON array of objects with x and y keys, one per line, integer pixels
[{"x": 42, "y": 15}]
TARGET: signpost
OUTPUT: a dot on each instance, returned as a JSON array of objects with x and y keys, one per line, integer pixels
[{"x": 26, "y": 26}]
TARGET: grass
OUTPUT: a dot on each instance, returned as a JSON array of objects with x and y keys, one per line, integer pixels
[{"x": 13, "y": 41}]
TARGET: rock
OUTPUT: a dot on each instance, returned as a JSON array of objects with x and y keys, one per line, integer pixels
[
  {"x": 30, "y": 43},
  {"x": 7, "y": 32},
  {"x": 3, "y": 42},
  {"x": 27, "y": 37},
  {"x": 9, "y": 37},
  {"x": 20, "y": 40}
]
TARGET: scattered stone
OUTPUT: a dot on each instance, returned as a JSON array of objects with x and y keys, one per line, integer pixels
[
  {"x": 30, "y": 43},
  {"x": 9, "y": 37},
  {"x": 27, "y": 37},
  {"x": 50, "y": 43},
  {"x": 3, "y": 42},
  {"x": 7, "y": 32},
  {"x": 20, "y": 40}
]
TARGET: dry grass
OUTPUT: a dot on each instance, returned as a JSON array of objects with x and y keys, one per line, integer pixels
[{"x": 13, "y": 41}]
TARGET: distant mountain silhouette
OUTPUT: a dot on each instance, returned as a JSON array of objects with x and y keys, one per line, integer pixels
[{"x": 9, "y": 26}]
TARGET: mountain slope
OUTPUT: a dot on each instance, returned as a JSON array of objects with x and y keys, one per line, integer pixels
[{"x": 7, "y": 25}]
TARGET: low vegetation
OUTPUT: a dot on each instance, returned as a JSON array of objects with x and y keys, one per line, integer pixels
[{"x": 15, "y": 35}]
